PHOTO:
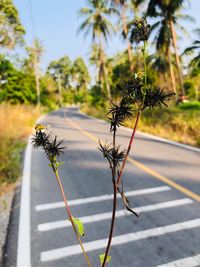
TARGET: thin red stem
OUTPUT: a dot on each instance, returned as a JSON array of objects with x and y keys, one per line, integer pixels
[
  {"x": 112, "y": 223},
  {"x": 71, "y": 218},
  {"x": 129, "y": 148},
  {"x": 114, "y": 205}
]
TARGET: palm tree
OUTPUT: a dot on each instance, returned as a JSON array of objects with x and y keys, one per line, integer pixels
[
  {"x": 159, "y": 63},
  {"x": 195, "y": 62},
  {"x": 123, "y": 6},
  {"x": 163, "y": 50},
  {"x": 135, "y": 6},
  {"x": 100, "y": 27},
  {"x": 80, "y": 74},
  {"x": 95, "y": 60},
  {"x": 35, "y": 54},
  {"x": 167, "y": 11}
]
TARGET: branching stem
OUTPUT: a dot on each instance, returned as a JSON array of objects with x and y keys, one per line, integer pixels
[
  {"x": 116, "y": 183},
  {"x": 137, "y": 118}
]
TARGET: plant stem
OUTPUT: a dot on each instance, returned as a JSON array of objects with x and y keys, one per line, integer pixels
[
  {"x": 137, "y": 118},
  {"x": 114, "y": 205},
  {"x": 145, "y": 63},
  {"x": 71, "y": 217},
  {"x": 112, "y": 223},
  {"x": 129, "y": 148},
  {"x": 116, "y": 184}
]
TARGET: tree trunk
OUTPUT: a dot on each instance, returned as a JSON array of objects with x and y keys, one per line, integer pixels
[
  {"x": 37, "y": 80},
  {"x": 102, "y": 64},
  {"x": 60, "y": 89},
  {"x": 174, "y": 41},
  {"x": 173, "y": 81},
  {"x": 123, "y": 15}
]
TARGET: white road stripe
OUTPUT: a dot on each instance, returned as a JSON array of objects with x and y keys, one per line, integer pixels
[
  {"x": 107, "y": 215},
  {"x": 185, "y": 262},
  {"x": 23, "y": 251},
  {"x": 168, "y": 141},
  {"x": 87, "y": 200},
  {"x": 59, "y": 253}
]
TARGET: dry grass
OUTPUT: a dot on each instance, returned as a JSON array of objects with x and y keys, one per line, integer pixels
[
  {"x": 16, "y": 125},
  {"x": 174, "y": 123},
  {"x": 17, "y": 121}
]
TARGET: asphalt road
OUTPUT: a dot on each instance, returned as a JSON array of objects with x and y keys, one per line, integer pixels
[{"x": 163, "y": 182}]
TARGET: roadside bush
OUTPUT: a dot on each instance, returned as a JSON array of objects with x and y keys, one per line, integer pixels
[{"x": 10, "y": 155}]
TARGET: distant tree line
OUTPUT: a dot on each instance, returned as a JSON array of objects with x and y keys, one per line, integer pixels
[{"x": 67, "y": 81}]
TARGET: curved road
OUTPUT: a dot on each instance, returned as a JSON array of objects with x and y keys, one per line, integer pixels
[{"x": 162, "y": 181}]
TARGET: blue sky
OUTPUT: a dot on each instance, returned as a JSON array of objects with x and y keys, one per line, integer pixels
[{"x": 56, "y": 23}]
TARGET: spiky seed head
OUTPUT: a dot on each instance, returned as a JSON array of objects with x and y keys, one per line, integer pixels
[
  {"x": 139, "y": 31},
  {"x": 156, "y": 97}
]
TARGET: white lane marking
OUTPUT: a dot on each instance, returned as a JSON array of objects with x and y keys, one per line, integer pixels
[
  {"x": 164, "y": 140},
  {"x": 59, "y": 253},
  {"x": 107, "y": 215},
  {"x": 23, "y": 251},
  {"x": 151, "y": 136},
  {"x": 185, "y": 262},
  {"x": 101, "y": 198}
]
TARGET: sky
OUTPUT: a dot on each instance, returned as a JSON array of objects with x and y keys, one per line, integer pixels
[{"x": 55, "y": 24}]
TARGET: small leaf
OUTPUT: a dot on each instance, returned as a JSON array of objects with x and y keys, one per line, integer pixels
[
  {"x": 102, "y": 256},
  {"x": 61, "y": 163},
  {"x": 79, "y": 225}
]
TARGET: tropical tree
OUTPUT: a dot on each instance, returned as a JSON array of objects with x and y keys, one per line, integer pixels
[
  {"x": 194, "y": 65},
  {"x": 168, "y": 13},
  {"x": 131, "y": 5},
  {"x": 160, "y": 64},
  {"x": 32, "y": 63},
  {"x": 60, "y": 71},
  {"x": 11, "y": 29},
  {"x": 15, "y": 85},
  {"x": 80, "y": 74},
  {"x": 120, "y": 70},
  {"x": 95, "y": 59},
  {"x": 122, "y": 4},
  {"x": 135, "y": 6},
  {"x": 97, "y": 23},
  {"x": 195, "y": 62}
]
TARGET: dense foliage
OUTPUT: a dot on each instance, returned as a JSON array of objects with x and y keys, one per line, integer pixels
[
  {"x": 65, "y": 81},
  {"x": 11, "y": 29}
]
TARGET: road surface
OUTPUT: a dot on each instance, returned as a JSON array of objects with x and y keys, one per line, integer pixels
[{"x": 161, "y": 179}]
